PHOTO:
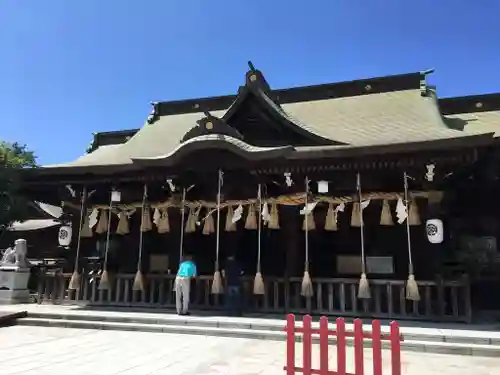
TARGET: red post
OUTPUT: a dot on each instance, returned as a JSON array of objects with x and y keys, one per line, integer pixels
[
  {"x": 341, "y": 347},
  {"x": 377, "y": 347},
  {"x": 358, "y": 348},
  {"x": 307, "y": 345},
  {"x": 290, "y": 345},
  {"x": 395, "y": 349},
  {"x": 323, "y": 345}
]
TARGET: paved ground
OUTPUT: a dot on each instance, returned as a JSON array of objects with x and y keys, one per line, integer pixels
[{"x": 60, "y": 351}]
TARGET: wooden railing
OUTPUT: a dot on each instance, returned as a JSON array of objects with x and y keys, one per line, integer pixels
[{"x": 440, "y": 300}]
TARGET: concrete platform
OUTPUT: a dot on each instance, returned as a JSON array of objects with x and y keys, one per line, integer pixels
[{"x": 478, "y": 340}]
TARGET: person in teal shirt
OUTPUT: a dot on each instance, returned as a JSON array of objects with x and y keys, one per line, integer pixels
[{"x": 187, "y": 271}]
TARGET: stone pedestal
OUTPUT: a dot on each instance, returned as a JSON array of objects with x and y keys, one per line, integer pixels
[{"x": 14, "y": 285}]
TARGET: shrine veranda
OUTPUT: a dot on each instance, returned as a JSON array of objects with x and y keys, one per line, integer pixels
[{"x": 306, "y": 186}]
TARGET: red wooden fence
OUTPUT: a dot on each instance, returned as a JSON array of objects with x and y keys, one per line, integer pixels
[{"x": 376, "y": 336}]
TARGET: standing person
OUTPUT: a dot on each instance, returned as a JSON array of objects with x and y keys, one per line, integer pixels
[
  {"x": 232, "y": 274},
  {"x": 187, "y": 271}
]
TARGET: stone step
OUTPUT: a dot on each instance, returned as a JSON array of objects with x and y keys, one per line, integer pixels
[
  {"x": 252, "y": 333},
  {"x": 167, "y": 319},
  {"x": 409, "y": 334}
]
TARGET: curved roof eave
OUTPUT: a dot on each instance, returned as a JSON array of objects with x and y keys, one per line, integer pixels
[
  {"x": 32, "y": 225},
  {"x": 382, "y": 149},
  {"x": 216, "y": 141}
]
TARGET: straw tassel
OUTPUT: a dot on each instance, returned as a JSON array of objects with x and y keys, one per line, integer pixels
[
  {"x": 364, "y": 286},
  {"x": 156, "y": 217},
  {"x": 356, "y": 215},
  {"x": 86, "y": 230},
  {"x": 309, "y": 223},
  {"x": 274, "y": 221},
  {"x": 412, "y": 292},
  {"x": 183, "y": 228},
  {"x": 138, "y": 281},
  {"x": 413, "y": 214},
  {"x": 146, "y": 223},
  {"x": 123, "y": 226},
  {"x": 74, "y": 282},
  {"x": 208, "y": 225},
  {"x": 306, "y": 289},
  {"x": 163, "y": 223},
  {"x": 104, "y": 283},
  {"x": 217, "y": 283},
  {"x": 386, "y": 215},
  {"x": 190, "y": 222},
  {"x": 230, "y": 226},
  {"x": 102, "y": 224},
  {"x": 217, "y": 287},
  {"x": 188, "y": 228},
  {"x": 331, "y": 219},
  {"x": 251, "y": 220},
  {"x": 258, "y": 282}
]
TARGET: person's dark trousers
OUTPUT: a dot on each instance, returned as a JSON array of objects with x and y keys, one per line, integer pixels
[{"x": 233, "y": 300}]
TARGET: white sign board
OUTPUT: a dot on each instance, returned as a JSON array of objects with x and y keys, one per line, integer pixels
[
  {"x": 380, "y": 265},
  {"x": 351, "y": 265},
  {"x": 158, "y": 263}
]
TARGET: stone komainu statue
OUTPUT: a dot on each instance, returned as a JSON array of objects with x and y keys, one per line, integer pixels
[
  {"x": 15, "y": 256},
  {"x": 8, "y": 257}
]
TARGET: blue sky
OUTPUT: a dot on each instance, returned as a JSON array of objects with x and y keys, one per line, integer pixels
[{"x": 69, "y": 68}]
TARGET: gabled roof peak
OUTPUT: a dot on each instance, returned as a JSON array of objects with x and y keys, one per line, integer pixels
[{"x": 257, "y": 90}]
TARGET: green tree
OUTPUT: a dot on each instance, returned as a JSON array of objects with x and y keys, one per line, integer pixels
[{"x": 13, "y": 157}]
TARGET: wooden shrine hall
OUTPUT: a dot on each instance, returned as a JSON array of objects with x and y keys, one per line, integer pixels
[{"x": 362, "y": 198}]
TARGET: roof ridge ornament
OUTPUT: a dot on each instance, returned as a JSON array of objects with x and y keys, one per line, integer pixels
[
  {"x": 92, "y": 145},
  {"x": 208, "y": 121},
  {"x": 255, "y": 78},
  {"x": 424, "y": 88},
  {"x": 154, "y": 115},
  {"x": 211, "y": 124}
]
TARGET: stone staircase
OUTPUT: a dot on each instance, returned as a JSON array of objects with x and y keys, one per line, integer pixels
[{"x": 431, "y": 340}]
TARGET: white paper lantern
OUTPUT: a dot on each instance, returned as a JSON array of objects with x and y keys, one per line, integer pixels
[
  {"x": 116, "y": 196},
  {"x": 435, "y": 231},
  {"x": 65, "y": 233},
  {"x": 322, "y": 187}
]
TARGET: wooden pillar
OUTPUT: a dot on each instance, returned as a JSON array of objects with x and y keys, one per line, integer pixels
[
  {"x": 290, "y": 239},
  {"x": 292, "y": 242},
  {"x": 174, "y": 239}
]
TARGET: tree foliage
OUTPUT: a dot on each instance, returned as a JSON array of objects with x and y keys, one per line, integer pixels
[{"x": 13, "y": 158}]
